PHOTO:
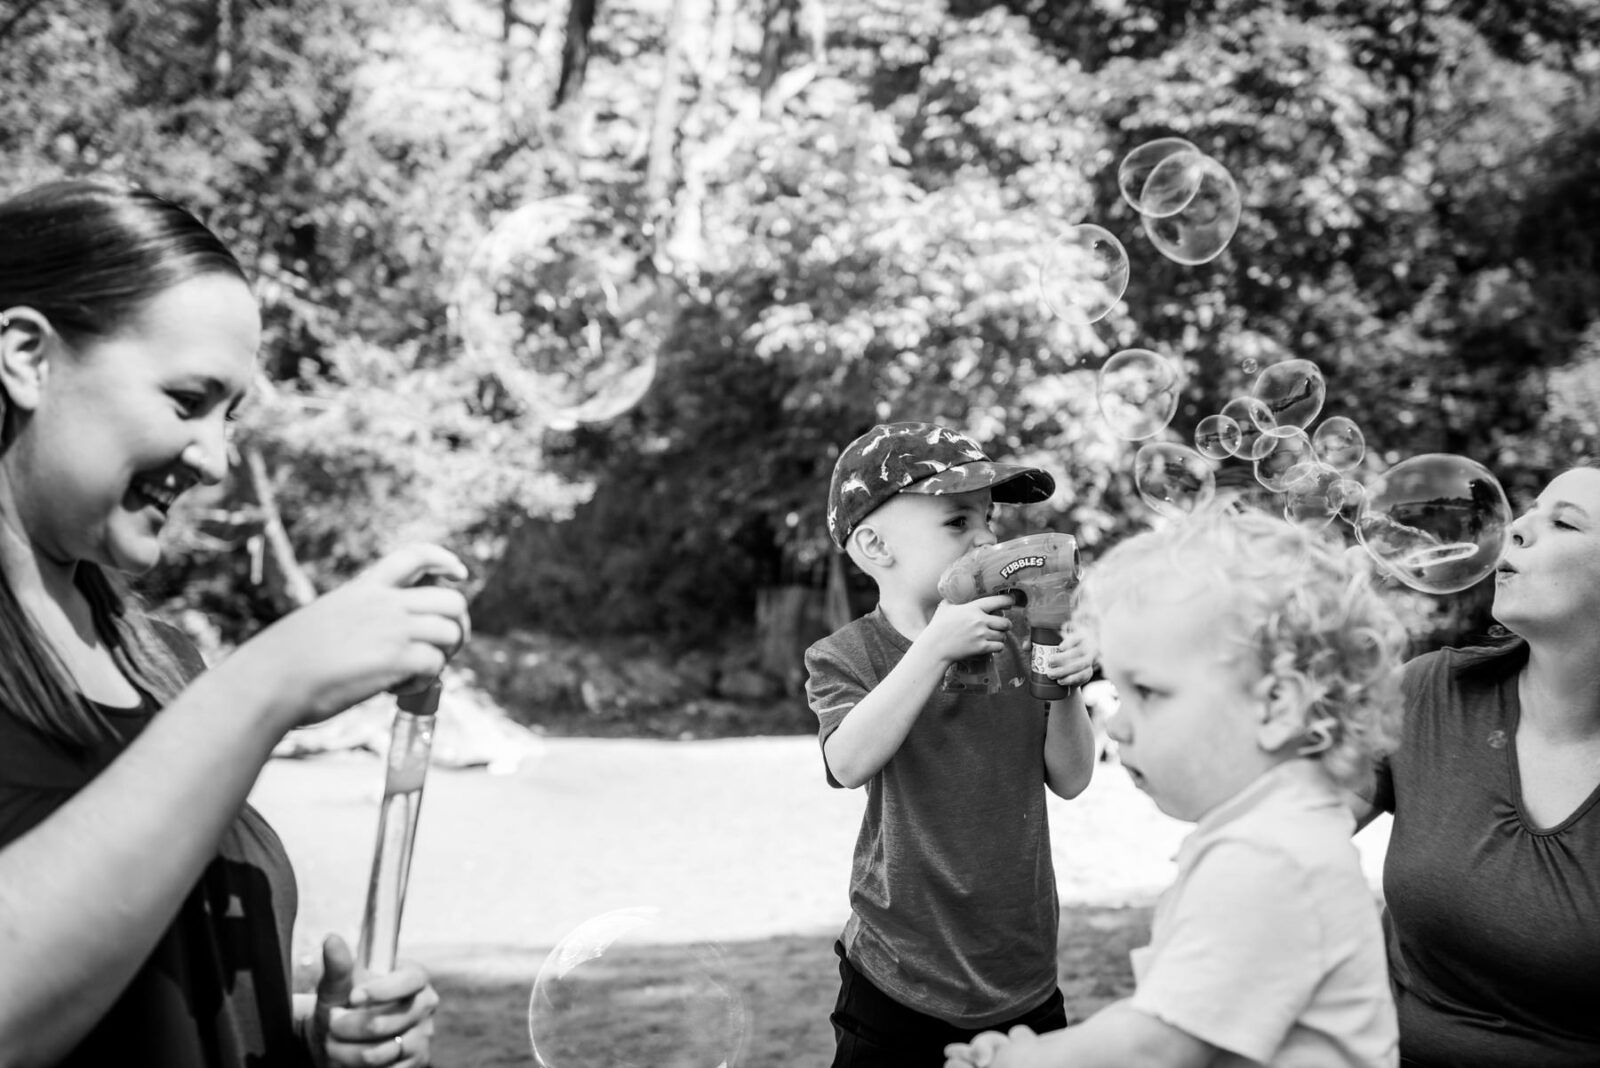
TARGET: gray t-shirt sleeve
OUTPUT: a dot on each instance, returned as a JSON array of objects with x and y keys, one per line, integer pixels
[{"x": 832, "y": 690}]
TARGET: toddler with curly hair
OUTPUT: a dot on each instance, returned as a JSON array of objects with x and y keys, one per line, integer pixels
[{"x": 1257, "y": 671}]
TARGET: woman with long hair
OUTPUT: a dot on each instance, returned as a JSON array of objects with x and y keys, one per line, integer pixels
[{"x": 145, "y": 907}]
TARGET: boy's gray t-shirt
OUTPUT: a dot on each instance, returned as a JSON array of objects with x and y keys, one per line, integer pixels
[{"x": 952, "y": 890}]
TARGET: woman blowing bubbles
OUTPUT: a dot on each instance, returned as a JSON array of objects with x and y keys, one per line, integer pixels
[
  {"x": 145, "y": 909},
  {"x": 1492, "y": 874}
]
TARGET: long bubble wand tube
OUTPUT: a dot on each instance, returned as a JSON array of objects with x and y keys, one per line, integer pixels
[{"x": 410, "y": 743}]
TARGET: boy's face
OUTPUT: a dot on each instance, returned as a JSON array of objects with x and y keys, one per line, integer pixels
[
  {"x": 1190, "y": 711},
  {"x": 926, "y": 534}
]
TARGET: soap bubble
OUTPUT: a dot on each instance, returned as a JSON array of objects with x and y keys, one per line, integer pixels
[
  {"x": 1339, "y": 443},
  {"x": 571, "y": 330},
  {"x": 1437, "y": 522},
  {"x": 627, "y": 990},
  {"x": 1248, "y": 413},
  {"x": 1217, "y": 437},
  {"x": 1312, "y": 495},
  {"x": 1287, "y": 452},
  {"x": 1173, "y": 184},
  {"x": 1137, "y": 166},
  {"x": 1173, "y": 479},
  {"x": 1083, "y": 273},
  {"x": 1138, "y": 393},
  {"x": 1349, "y": 496},
  {"x": 1199, "y": 232},
  {"x": 1293, "y": 392}
]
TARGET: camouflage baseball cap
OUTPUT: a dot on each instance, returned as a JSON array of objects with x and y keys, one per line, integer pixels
[{"x": 920, "y": 458}]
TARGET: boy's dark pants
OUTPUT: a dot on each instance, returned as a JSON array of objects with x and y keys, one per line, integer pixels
[{"x": 875, "y": 1031}]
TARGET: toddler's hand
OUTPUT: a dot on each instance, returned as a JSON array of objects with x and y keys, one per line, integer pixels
[
  {"x": 958, "y": 631},
  {"x": 982, "y": 1050},
  {"x": 1073, "y": 662}
]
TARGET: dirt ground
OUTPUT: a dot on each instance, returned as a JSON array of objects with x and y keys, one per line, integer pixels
[{"x": 739, "y": 842}]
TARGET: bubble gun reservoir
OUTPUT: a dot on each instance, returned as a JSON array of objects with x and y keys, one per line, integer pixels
[{"x": 1041, "y": 572}]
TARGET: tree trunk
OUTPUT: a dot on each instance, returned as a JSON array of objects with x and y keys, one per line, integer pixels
[
  {"x": 659, "y": 167},
  {"x": 837, "y": 609},
  {"x": 287, "y": 585},
  {"x": 575, "y": 50},
  {"x": 787, "y": 621}
]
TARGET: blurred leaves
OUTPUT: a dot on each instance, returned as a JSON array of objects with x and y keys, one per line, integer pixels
[{"x": 859, "y": 245}]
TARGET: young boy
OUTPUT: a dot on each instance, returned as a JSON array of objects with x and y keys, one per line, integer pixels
[
  {"x": 1257, "y": 673},
  {"x": 953, "y": 899}
]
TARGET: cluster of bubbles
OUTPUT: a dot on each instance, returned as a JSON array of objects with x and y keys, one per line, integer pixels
[
  {"x": 1436, "y": 522},
  {"x": 1188, "y": 204},
  {"x": 566, "y": 330},
  {"x": 634, "y": 988}
]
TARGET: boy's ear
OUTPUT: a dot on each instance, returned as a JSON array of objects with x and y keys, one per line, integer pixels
[
  {"x": 870, "y": 544},
  {"x": 1283, "y": 712},
  {"x": 24, "y": 345}
]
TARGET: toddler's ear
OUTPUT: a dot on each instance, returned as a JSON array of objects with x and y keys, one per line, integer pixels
[{"x": 1283, "y": 712}]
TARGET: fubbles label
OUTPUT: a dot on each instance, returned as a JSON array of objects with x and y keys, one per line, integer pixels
[{"x": 1018, "y": 564}]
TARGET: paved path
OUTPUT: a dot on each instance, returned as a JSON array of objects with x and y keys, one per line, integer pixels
[{"x": 734, "y": 839}]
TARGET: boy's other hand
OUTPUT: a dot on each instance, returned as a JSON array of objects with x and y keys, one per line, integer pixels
[
  {"x": 1073, "y": 662},
  {"x": 958, "y": 631}
]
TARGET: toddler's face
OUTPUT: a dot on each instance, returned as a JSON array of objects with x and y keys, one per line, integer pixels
[
  {"x": 929, "y": 533},
  {"x": 1190, "y": 709}
]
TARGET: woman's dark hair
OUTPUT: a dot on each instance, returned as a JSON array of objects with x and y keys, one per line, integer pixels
[{"x": 89, "y": 255}]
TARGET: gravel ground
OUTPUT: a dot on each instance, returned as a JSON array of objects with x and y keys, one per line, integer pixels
[{"x": 733, "y": 839}]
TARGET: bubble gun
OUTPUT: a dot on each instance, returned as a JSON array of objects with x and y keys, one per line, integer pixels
[{"x": 1041, "y": 572}]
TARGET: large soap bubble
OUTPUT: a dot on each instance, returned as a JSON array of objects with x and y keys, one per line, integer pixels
[
  {"x": 1173, "y": 479},
  {"x": 1293, "y": 392},
  {"x": 1138, "y": 393},
  {"x": 1198, "y": 233},
  {"x": 571, "y": 330},
  {"x": 629, "y": 989},
  {"x": 1133, "y": 174},
  {"x": 1437, "y": 522},
  {"x": 1083, "y": 273}
]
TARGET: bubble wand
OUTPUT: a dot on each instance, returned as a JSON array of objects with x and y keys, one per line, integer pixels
[{"x": 410, "y": 743}]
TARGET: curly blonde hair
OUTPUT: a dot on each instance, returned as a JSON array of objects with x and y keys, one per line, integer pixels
[{"x": 1300, "y": 604}]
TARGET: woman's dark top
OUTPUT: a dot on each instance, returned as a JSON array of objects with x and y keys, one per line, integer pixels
[
  {"x": 1493, "y": 923},
  {"x": 215, "y": 993}
]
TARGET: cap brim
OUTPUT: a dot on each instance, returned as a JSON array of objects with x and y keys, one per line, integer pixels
[{"x": 1010, "y": 483}]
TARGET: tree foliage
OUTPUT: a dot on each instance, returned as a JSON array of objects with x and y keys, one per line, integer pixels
[{"x": 841, "y": 202}]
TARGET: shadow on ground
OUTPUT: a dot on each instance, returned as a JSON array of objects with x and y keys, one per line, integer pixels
[{"x": 651, "y": 1006}]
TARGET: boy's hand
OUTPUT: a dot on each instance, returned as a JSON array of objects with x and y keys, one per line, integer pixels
[
  {"x": 958, "y": 631},
  {"x": 1073, "y": 662}
]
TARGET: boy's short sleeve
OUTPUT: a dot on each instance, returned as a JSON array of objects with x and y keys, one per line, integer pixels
[
  {"x": 832, "y": 690},
  {"x": 1239, "y": 957}
]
